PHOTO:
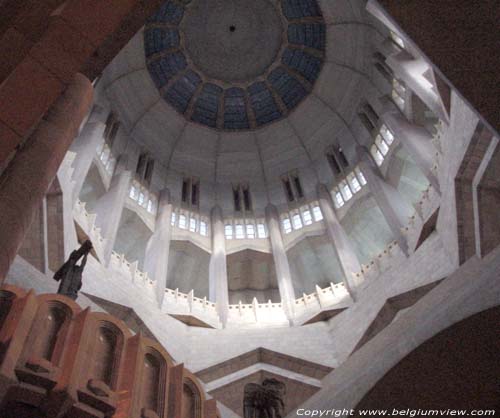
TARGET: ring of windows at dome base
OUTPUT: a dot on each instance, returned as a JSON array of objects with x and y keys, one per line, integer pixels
[
  {"x": 296, "y": 219},
  {"x": 190, "y": 221},
  {"x": 143, "y": 197},
  {"x": 248, "y": 228}
]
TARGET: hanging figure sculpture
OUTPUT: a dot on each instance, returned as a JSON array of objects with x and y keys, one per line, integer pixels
[
  {"x": 70, "y": 274},
  {"x": 264, "y": 401}
]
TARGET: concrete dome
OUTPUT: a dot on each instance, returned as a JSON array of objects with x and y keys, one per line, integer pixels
[{"x": 217, "y": 123}]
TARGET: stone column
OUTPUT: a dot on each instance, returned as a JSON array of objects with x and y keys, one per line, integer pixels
[
  {"x": 416, "y": 141},
  {"x": 158, "y": 247},
  {"x": 85, "y": 146},
  {"x": 341, "y": 243},
  {"x": 109, "y": 207},
  {"x": 219, "y": 291},
  {"x": 395, "y": 209},
  {"x": 283, "y": 275},
  {"x": 27, "y": 178}
]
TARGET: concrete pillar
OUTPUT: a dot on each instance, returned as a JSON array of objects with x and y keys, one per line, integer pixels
[
  {"x": 218, "y": 285},
  {"x": 158, "y": 247},
  {"x": 416, "y": 141},
  {"x": 109, "y": 207},
  {"x": 285, "y": 284},
  {"x": 341, "y": 243},
  {"x": 27, "y": 178},
  {"x": 394, "y": 208},
  {"x": 85, "y": 146}
]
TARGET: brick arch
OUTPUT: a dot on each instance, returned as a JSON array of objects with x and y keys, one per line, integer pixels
[{"x": 457, "y": 368}]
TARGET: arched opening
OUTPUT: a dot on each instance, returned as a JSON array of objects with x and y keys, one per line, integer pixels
[
  {"x": 105, "y": 350},
  {"x": 150, "y": 384},
  {"x": 191, "y": 400},
  {"x": 48, "y": 332},
  {"x": 153, "y": 383}
]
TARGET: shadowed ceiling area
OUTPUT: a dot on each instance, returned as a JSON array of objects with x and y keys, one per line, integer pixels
[{"x": 458, "y": 368}]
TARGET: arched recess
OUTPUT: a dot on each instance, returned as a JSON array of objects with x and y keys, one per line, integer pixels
[
  {"x": 458, "y": 369},
  {"x": 252, "y": 274},
  {"x": 49, "y": 331},
  {"x": 193, "y": 397},
  {"x": 146, "y": 375},
  {"x": 153, "y": 383},
  {"x": 105, "y": 351}
]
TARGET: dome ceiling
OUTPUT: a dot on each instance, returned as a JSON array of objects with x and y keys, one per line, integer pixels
[
  {"x": 235, "y": 65},
  {"x": 263, "y": 152}
]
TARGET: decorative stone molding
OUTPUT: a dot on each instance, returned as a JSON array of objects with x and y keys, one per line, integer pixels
[{"x": 58, "y": 360}]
